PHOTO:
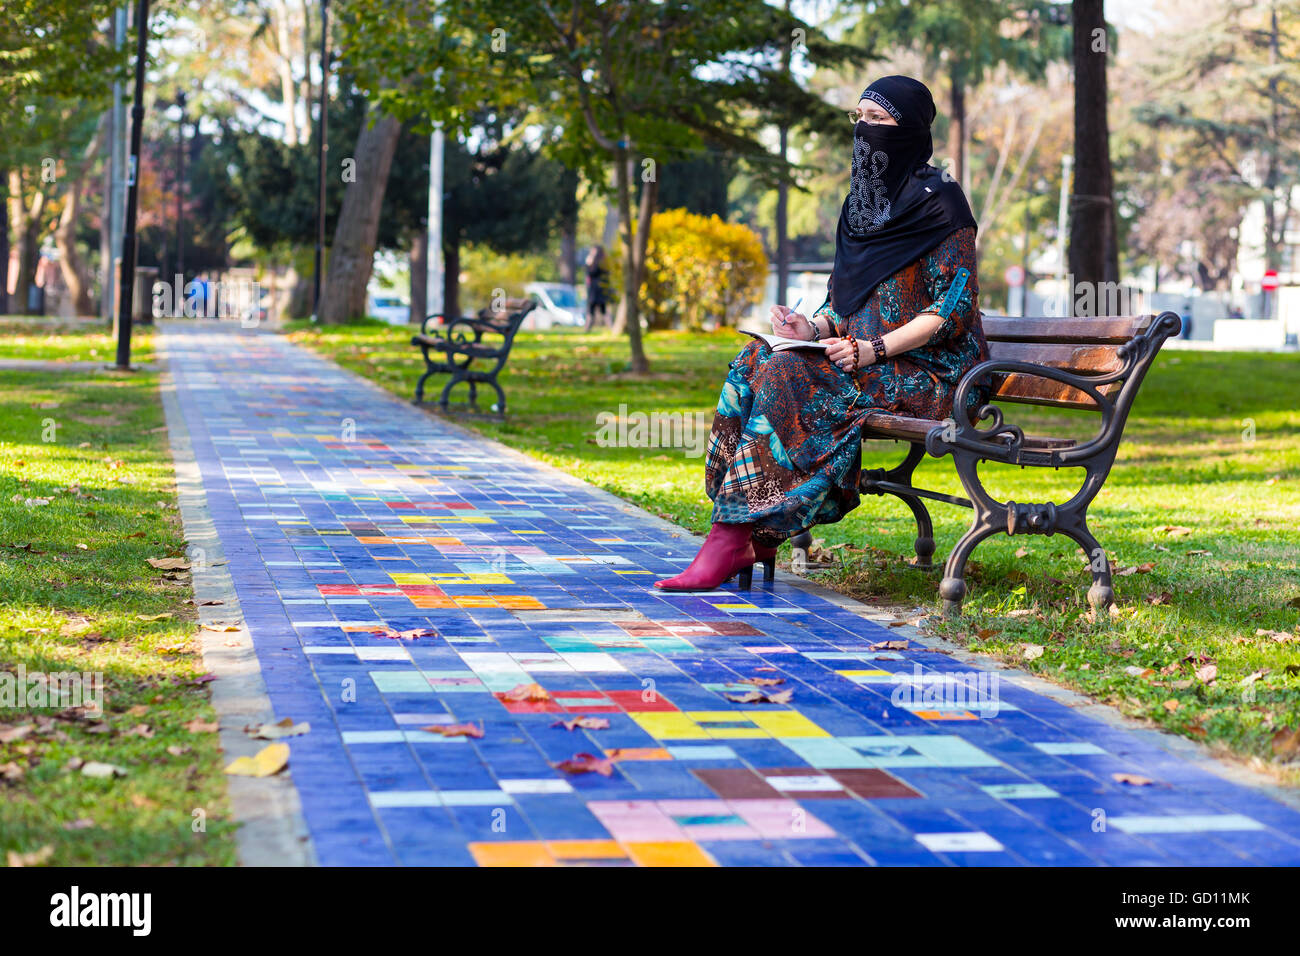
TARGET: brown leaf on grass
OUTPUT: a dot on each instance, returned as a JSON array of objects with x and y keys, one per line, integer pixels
[
  {"x": 1125, "y": 572},
  {"x": 220, "y": 627},
  {"x": 1197, "y": 552},
  {"x": 1023, "y": 552},
  {"x": 587, "y": 763},
  {"x": 1282, "y": 637},
  {"x": 11, "y": 771},
  {"x": 1181, "y": 684},
  {"x": 586, "y": 723},
  {"x": 1199, "y": 657},
  {"x": 1207, "y": 673},
  {"x": 152, "y": 617},
  {"x": 10, "y": 733},
  {"x": 1171, "y": 705},
  {"x": 1142, "y": 673},
  {"x": 1164, "y": 597},
  {"x": 456, "y": 730},
  {"x": 1173, "y": 668},
  {"x": 170, "y": 564},
  {"x": 139, "y": 710},
  {"x": 1252, "y": 677},
  {"x": 1132, "y": 779},
  {"x": 1294, "y": 602},
  {"x": 34, "y": 858},
  {"x": 140, "y": 730},
  {"x": 527, "y": 692},
  {"x": 1286, "y": 743},
  {"x": 178, "y": 751},
  {"x": 1031, "y": 652},
  {"x": 141, "y": 802},
  {"x": 1146, "y": 568},
  {"x": 985, "y": 633},
  {"x": 1020, "y": 612},
  {"x": 1174, "y": 530},
  {"x": 200, "y": 726}
]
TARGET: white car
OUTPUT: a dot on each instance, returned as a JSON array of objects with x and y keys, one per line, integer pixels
[
  {"x": 388, "y": 308},
  {"x": 557, "y": 304}
]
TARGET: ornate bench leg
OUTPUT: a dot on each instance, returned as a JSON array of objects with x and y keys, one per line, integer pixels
[
  {"x": 501, "y": 396},
  {"x": 902, "y": 474},
  {"x": 446, "y": 390},
  {"x": 419, "y": 387},
  {"x": 1101, "y": 595},
  {"x": 953, "y": 586}
]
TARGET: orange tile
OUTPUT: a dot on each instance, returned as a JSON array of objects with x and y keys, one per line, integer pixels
[
  {"x": 523, "y": 853},
  {"x": 944, "y": 715},
  {"x": 586, "y": 850},
  {"x": 668, "y": 853},
  {"x": 638, "y": 753}
]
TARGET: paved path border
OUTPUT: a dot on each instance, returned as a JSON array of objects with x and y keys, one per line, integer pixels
[{"x": 272, "y": 830}]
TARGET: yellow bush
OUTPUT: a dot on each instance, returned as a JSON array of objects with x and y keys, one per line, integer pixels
[{"x": 700, "y": 271}]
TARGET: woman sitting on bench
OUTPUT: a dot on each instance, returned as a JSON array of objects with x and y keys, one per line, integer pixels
[{"x": 902, "y": 325}]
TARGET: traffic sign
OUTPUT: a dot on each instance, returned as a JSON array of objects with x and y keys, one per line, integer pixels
[
  {"x": 1269, "y": 282},
  {"x": 1015, "y": 275}
]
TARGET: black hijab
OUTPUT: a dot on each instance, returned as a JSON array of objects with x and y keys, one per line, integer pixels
[{"x": 898, "y": 207}]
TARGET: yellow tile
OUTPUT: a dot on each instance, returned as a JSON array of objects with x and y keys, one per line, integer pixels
[
  {"x": 528, "y": 853},
  {"x": 634, "y": 572},
  {"x": 530, "y": 532},
  {"x": 736, "y": 607},
  {"x": 488, "y": 578},
  {"x": 668, "y": 853},
  {"x": 863, "y": 673},
  {"x": 669, "y": 726},
  {"x": 518, "y": 602},
  {"x": 586, "y": 850},
  {"x": 405, "y": 578},
  {"x": 474, "y": 600},
  {"x": 786, "y": 723}
]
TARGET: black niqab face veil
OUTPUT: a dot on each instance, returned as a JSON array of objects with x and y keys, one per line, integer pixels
[{"x": 898, "y": 207}]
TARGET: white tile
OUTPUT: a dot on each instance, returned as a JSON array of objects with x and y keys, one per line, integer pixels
[
  {"x": 593, "y": 662},
  {"x": 1072, "y": 748},
  {"x": 393, "y": 653},
  {"x": 815, "y": 782},
  {"x": 1186, "y": 823},
  {"x": 977, "y": 842},
  {"x": 536, "y": 786}
]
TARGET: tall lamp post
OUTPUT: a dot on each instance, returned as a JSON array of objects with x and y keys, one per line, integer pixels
[
  {"x": 322, "y": 123},
  {"x": 180, "y": 188},
  {"x": 126, "y": 301}
]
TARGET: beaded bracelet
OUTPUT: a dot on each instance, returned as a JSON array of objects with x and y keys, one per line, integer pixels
[
  {"x": 878, "y": 346},
  {"x": 857, "y": 358}
]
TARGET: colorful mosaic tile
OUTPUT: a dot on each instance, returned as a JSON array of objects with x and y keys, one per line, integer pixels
[{"x": 511, "y": 573}]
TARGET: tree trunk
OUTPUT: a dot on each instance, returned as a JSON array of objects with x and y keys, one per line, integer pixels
[
  {"x": 71, "y": 265},
  {"x": 26, "y": 226},
  {"x": 1093, "y": 256},
  {"x": 569, "y": 230},
  {"x": 451, "y": 274},
  {"x": 631, "y": 274},
  {"x": 284, "y": 67},
  {"x": 419, "y": 276},
  {"x": 957, "y": 127},
  {"x": 4, "y": 246},
  {"x": 352, "y": 253}
]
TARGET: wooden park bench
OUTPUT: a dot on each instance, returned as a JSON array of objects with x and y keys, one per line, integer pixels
[
  {"x": 1096, "y": 364},
  {"x": 453, "y": 348}
]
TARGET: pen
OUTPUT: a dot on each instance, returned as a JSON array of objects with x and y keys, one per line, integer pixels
[{"x": 784, "y": 321}]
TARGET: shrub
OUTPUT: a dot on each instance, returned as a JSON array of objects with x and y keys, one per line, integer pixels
[{"x": 700, "y": 271}]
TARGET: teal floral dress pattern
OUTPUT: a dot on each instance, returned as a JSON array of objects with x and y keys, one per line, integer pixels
[{"x": 783, "y": 452}]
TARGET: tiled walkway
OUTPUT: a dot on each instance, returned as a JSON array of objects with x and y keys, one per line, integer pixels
[{"x": 348, "y": 515}]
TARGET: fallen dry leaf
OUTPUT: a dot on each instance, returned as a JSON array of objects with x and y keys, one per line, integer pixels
[
  {"x": 586, "y": 723},
  {"x": 1286, "y": 743},
  {"x": 1132, "y": 779},
  {"x": 1207, "y": 673},
  {"x": 456, "y": 730},
  {"x": 763, "y": 681},
  {"x": 527, "y": 692},
  {"x": 1174, "y": 530},
  {"x": 281, "y": 728},
  {"x": 152, "y": 617},
  {"x": 170, "y": 564},
  {"x": 1171, "y": 705},
  {"x": 200, "y": 726},
  {"x": 267, "y": 762},
  {"x": 1031, "y": 652},
  {"x": 34, "y": 858},
  {"x": 587, "y": 763},
  {"x": 94, "y": 769},
  {"x": 888, "y": 646},
  {"x": 761, "y": 697}
]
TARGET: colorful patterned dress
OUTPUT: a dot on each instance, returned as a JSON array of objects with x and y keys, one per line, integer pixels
[{"x": 784, "y": 452}]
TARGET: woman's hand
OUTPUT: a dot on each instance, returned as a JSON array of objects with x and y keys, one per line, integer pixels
[
  {"x": 840, "y": 351},
  {"x": 792, "y": 325}
]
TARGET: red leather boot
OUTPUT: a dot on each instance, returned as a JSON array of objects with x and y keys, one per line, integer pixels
[
  {"x": 766, "y": 557},
  {"x": 725, "y": 551}
]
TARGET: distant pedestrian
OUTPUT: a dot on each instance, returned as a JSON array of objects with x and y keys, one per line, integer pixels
[
  {"x": 1186, "y": 316},
  {"x": 597, "y": 297}
]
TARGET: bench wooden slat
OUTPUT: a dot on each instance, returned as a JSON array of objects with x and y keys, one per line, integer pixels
[
  {"x": 915, "y": 429},
  {"x": 1112, "y": 330},
  {"x": 1089, "y": 359}
]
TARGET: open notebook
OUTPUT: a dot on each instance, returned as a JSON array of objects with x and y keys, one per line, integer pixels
[{"x": 779, "y": 343}]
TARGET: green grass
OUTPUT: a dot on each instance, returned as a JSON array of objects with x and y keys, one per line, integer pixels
[
  {"x": 75, "y": 594},
  {"x": 71, "y": 340},
  {"x": 1187, "y": 461}
]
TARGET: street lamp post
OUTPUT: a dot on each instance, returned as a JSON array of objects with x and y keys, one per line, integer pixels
[
  {"x": 126, "y": 301},
  {"x": 180, "y": 189},
  {"x": 322, "y": 124}
]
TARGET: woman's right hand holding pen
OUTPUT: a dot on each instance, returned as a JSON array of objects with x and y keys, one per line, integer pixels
[{"x": 790, "y": 324}]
